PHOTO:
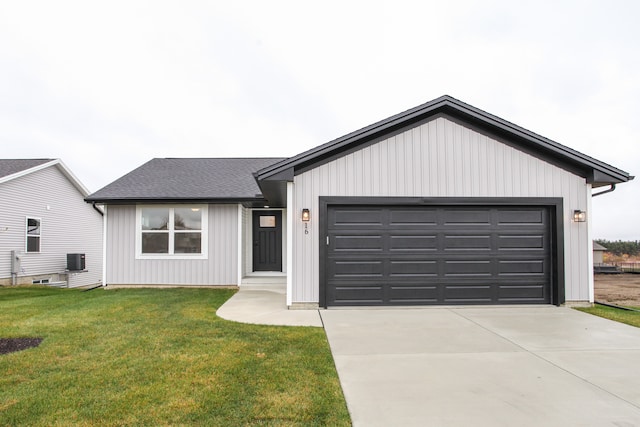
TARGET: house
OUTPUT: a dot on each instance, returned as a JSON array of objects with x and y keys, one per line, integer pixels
[
  {"x": 441, "y": 204},
  {"x": 598, "y": 253},
  {"x": 48, "y": 234}
]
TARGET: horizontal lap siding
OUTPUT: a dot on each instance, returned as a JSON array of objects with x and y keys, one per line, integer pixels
[
  {"x": 69, "y": 225},
  {"x": 220, "y": 268},
  {"x": 439, "y": 158}
]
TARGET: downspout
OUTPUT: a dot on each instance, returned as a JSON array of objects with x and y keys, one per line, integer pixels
[
  {"x": 97, "y": 209},
  {"x": 613, "y": 188}
]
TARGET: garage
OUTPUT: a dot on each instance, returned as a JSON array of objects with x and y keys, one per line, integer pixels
[
  {"x": 417, "y": 253},
  {"x": 441, "y": 204}
]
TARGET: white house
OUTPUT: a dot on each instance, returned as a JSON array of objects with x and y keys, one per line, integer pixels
[
  {"x": 48, "y": 234},
  {"x": 442, "y": 204}
]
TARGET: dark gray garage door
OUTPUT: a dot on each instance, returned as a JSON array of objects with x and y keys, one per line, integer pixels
[{"x": 416, "y": 255}]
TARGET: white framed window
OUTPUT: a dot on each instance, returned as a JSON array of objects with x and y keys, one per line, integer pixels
[
  {"x": 33, "y": 232},
  {"x": 171, "y": 231}
]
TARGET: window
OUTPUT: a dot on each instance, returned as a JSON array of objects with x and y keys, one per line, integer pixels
[
  {"x": 175, "y": 231},
  {"x": 33, "y": 234}
]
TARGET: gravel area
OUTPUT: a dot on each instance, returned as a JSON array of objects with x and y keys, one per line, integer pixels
[{"x": 618, "y": 289}]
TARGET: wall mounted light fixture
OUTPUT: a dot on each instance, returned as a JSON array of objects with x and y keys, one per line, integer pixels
[
  {"x": 306, "y": 216},
  {"x": 579, "y": 216}
]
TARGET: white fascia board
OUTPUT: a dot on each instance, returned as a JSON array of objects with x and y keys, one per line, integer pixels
[
  {"x": 55, "y": 162},
  {"x": 28, "y": 171},
  {"x": 290, "y": 210}
]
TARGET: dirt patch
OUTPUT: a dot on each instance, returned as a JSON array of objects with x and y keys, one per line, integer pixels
[
  {"x": 10, "y": 345},
  {"x": 618, "y": 289}
]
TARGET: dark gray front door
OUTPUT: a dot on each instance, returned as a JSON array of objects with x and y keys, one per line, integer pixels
[
  {"x": 267, "y": 240},
  {"x": 442, "y": 255}
]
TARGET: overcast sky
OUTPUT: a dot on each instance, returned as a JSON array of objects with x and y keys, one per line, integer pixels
[{"x": 106, "y": 86}]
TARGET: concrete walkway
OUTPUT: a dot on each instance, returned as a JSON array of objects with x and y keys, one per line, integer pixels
[
  {"x": 507, "y": 366},
  {"x": 266, "y": 305}
]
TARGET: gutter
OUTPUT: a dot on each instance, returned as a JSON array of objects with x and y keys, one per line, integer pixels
[{"x": 610, "y": 190}]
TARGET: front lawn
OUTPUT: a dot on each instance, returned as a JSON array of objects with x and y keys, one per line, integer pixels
[
  {"x": 159, "y": 357},
  {"x": 624, "y": 316}
]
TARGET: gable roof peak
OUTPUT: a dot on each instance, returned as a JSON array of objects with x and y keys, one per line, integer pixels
[
  {"x": 11, "y": 169},
  {"x": 596, "y": 171}
]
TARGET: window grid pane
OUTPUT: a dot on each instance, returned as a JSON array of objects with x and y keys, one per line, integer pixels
[
  {"x": 33, "y": 227},
  {"x": 33, "y": 243},
  {"x": 187, "y": 219},
  {"x": 187, "y": 243},
  {"x": 155, "y": 243},
  {"x": 155, "y": 218}
]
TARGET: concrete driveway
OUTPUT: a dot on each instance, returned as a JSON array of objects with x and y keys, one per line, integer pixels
[{"x": 512, "y": 366}]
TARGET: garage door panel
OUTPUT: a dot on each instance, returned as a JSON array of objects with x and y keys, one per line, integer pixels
[
  {"x": 467, "y": 243},
  {"x": 529, "y": 267},
  {"x": 438, "y": 255},
  {"x": 413, "y": 217},
  {"x": 415, "y": 295},
  {"x": 357, "y": 269},
  {"x": 468, "y": 294},
  {"x": 413, "y": 243},
  {"x": 462, "y": 217},
  {"x": 356, "y": 243},
  {"x": 521, "y": 242},
  {"x": 532, "y": 293},
  {"x": 413, "y": 268},
  {"x": 358, "y": 295},
  {"x": 478, "y": 268},
  {"x": 520, "y": 216},
  {"x": 357, "y": 217}
]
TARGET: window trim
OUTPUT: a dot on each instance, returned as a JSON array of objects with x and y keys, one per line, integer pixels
[
  {"x": 204, "y": 236},
  {"x": 27, "y": 235}
]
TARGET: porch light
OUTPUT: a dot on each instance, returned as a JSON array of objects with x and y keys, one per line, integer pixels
[
  {"x": 306, "y": 215},
  {"x": 579, "y": 216}
]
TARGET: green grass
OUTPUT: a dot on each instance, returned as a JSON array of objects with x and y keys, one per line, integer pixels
[
  {"x": 624, "y": 316},
  {"x": 159, "y": 357}
]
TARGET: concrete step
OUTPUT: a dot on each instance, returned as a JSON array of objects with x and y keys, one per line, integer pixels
[{"x": 264, "y": 280}]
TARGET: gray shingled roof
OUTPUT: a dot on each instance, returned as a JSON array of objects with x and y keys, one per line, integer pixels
[
  {"x": 598, "y": 247},
  {"x": 187, "y": 179},
  {"x": 11, "y": 166}
]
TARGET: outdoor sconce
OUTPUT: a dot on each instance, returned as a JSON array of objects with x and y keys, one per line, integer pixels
[
  {"x": 579, "y": 216},
  {"x": 306, "y": 216}
]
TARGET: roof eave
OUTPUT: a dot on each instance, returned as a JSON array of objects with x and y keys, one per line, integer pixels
[
  {"x": 172, "y": 200},
  {"x": 450, "y": 106}
]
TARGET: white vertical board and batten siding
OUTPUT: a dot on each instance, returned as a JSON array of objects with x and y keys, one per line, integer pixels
[
  {"x": 69, "y": 225},
  {"x": 439, "y": 158},
  {"x": 220, "y": 268}
]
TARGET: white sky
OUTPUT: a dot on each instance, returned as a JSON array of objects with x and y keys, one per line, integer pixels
[{"x": 106, "y": 86}]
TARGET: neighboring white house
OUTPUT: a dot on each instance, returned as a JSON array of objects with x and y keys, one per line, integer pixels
[
  {"x": 442, "y": 204},
  {"x": 43, "y": 219}
]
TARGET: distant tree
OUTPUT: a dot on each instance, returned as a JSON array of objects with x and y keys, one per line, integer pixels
[{"x": 620, "y": 247}]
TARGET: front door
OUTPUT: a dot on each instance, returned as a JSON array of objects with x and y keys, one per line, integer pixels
[{"x": 267, "y": 240}]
